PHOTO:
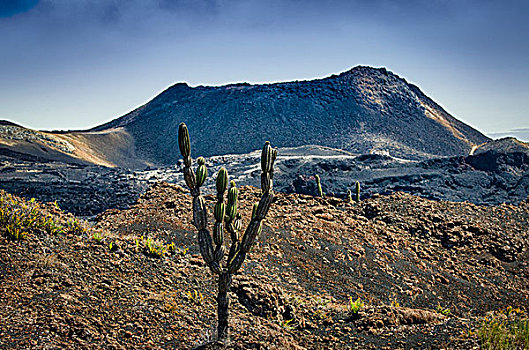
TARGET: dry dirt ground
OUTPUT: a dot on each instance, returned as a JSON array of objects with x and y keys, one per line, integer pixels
[{"x": 403, "y": 256}]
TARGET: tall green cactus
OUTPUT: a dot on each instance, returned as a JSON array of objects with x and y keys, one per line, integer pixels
[
  {"x": 318, "y": 183},
  {"x": 227, "y": 218},
  {"x": 357, "y": 191}
]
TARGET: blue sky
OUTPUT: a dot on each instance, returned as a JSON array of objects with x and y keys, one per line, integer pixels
[{"x": 74, "y": 64}]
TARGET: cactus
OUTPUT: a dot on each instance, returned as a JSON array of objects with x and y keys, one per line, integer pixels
[
  {"x": 349, "y": 199},
  {"x": 227, "y": 218},
  {"x": 202, "y": 171},
  {"x": 357, "y": 191},
  {"x": 318, "y": 183}
]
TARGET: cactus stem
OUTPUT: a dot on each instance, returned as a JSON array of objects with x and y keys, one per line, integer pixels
[{"x": 226, "y": 216}]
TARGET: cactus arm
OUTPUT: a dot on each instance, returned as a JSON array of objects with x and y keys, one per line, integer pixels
[
  {"x": 220, "y": 213},
  {"x": 233, "y": 218},
  {"x": 200, "y": 212},
  {"x": 202, "y": 172},
  {"x": 268, "y": 157}
]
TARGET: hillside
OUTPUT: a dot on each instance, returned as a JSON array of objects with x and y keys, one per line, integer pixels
[
  {"x": 71, "y": 290},
  {"x": 362, "y": 110},
  {"x": 107, "y": 148}
]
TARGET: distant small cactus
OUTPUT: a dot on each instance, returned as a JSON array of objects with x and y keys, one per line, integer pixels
[
  {"x": 318, "y": 183},
  {"x": 357, "y": 191},
  {"x": 227, "y": 218},
  {"x": 349, "y": 199}
]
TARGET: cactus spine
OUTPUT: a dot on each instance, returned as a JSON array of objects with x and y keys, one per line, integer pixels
[
  {"x": 357, "y": 191},
  {"x": 226, "y": 217},
  {"x": 318, "y": 183}
]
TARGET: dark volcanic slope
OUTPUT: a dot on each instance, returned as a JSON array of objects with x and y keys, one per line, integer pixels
[
  {"x": 361, "y": 110},
  {"x": 498, "y": 172}
]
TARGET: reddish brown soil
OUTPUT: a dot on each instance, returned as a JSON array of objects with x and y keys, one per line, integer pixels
[{"x": 71, "y": 291}]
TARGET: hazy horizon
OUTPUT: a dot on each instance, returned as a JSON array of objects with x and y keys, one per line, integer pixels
[{"x": 77, "y": 64}]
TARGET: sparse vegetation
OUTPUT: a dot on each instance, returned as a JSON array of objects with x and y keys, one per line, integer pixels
[
  {"x": 320, "y": 308},
  {"x": 294, "y": 299},
  {"x": 19, "y": 218},
  {"x": 286, "y": 324},
  {"x": 154, "y": 247},
  {"x": 226, "y": 217},
  {"x": 52, "y": 227},
  {"x": 321, "y": 301},
  {"x": 505, "y": 330},
  {"x": 182, "y": 251},
  {"x": 98, "y": 236},
  {"x": 159, "y": 300},
  {"x": 75, "y": 226},
  {"x": 195, "y": 297},
  {"x": 443, "y": 311},
  {"x": 355, "y": 306}
]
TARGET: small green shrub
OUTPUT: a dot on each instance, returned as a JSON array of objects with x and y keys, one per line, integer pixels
[
  {"x": 505, "y": 330},
  {"x": 75, "y": 226},
  {"x": 19, "y": 217},
  {"x": 51, "y": 227},
  {"x": 355, "y": 306},
  {"x": 442, "y": 310},
  {"x": 195, "y": 297},
  {"x": 286, "y": 324},
  {"x": 182, "y": 251},
  {"x": 98, "y": 236},
  {"x": 153, "y": 247},
  {"x": 15, "y": 230}
]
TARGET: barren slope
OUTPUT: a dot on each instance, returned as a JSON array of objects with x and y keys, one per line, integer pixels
[
  {"x": 108, "y": 148},
  {"x": 362, "y": 110},
  {"x": 73, "y": 291}
]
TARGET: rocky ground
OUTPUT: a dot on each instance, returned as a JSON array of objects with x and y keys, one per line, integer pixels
[
  {"x": 497, "y": 172},
  {"x": 409, "y": 259},
  {"x": 84, "y": 190}
]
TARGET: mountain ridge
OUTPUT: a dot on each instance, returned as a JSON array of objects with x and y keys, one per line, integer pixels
[{"x": 362, "y": 110}]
